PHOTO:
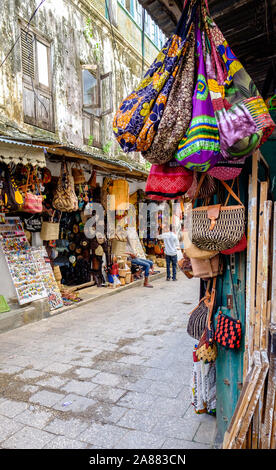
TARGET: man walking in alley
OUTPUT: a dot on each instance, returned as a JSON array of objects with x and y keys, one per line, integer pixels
[{"x": 171, "y": 244}]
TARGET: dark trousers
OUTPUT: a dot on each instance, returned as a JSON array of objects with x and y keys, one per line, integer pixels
[{"x": 171, "y": 259}]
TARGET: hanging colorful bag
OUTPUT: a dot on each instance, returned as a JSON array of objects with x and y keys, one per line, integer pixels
[
  {"x": 207, "y": 349},
  {"x": 229, "y": 330},
  {"x": 227, "y": 169},
  {"x": 218, "y": 227},
  {"x": 137, "y": 119},
  {"x": 200, "y": 147},
  {"x": 178, "y": 110},
  {"x": 32, "y": 202},
  {"x": 243, "y": 118},
  {"x": 168, "y": 181},
  {"x": 238, "y": 248},
  {"x": 198, "y": 316}
]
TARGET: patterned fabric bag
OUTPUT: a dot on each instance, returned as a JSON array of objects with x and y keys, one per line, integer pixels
[
  {"x": 208, "y": 187},
  {"x": 227, "y": 169},
  {"x": 178, "y": 111},
  {"x": 243, "y": 118},
  {"x": 218, "y": 227},
  {"x": 168, "y": 181},
  {"x": 137, "y": 119},
  {"x": 200, "y": 147},
  {"x": 198, "y": 316},
  {"x": 206, "y": 349},
  {"x": 229, "y": 330}
]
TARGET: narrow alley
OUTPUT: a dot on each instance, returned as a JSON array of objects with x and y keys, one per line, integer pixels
[{"x": 114, "y": 374}]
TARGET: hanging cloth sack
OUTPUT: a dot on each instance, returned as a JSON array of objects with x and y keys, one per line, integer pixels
[
  {"x": 168, "y": 181},
  {"x": 137, "y": 119},
  {"x": 178, "y": 111},
  {"x": 242, "y": 115},
  {"x": 200, "y": 147},
  {"x": 218, "y": 227},
  {"x": 65, "y": 199},
  {"x": 227, "y": 169}
]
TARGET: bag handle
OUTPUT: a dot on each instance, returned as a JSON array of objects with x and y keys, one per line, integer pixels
[
  {"x": 234, "y": 293},
  {"x": 198, "y": 188},
  {"x": 231, "y": 193}
]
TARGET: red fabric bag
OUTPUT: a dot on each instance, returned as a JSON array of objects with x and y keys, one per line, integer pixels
[
  {"x": 168, "y": 181},
  {"x": 240, "y": 246}
]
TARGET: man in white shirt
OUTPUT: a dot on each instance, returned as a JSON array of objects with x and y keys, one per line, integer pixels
[{"x": 171, "y": 244}]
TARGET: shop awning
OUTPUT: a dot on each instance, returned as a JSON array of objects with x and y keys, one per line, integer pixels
[{"x": 15, "y": 152}]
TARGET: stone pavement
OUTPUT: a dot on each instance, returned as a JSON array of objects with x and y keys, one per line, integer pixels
[{"x": 113, "y": 374}]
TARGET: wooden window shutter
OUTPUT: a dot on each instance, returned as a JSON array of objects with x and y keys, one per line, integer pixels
[
  {"x": 27, "y": 52},
  {"x": 106, "y": 94}
]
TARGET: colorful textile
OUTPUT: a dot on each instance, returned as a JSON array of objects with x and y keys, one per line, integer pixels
[
  {"x": 242, "y": 116},
  {"x": 200, "y": 147},
  {"x": 178, "y": 111},
  {"x": 138, "y": 116},
  {"x": 168, "y": 181}
]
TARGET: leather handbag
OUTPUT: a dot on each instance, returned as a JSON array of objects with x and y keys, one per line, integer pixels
[
  {"x": 198, "y": 316},
  {"x": 218, "y": 227},
  {"x": 206, "y": 268},
  {"x": 65, "y": 199}
]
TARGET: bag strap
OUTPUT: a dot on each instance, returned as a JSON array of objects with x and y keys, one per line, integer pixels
[
  {"x": 212, "y": 302},
  {"x": 198, "y": 188},
  {"x": 231, "y": 193},
  {"x": 233, "y": 290}
]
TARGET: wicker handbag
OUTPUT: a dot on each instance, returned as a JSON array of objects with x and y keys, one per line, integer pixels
[
  {"x": 192, "y": 251},
  {"x": 207, "y": 349},
  {"x": 50, "y": 229},
  {"x": 198, "y": 316},
  {"x": 218, "y": 227},
  {"x": 65, "y": 199}
]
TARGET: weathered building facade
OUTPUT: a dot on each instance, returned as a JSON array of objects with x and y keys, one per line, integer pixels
[{"x": 64, "y": 72}]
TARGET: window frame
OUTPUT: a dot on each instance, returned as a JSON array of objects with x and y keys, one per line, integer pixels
[
  {"x": 87, "y": 111},
  {"x": 33, "y": 85}
]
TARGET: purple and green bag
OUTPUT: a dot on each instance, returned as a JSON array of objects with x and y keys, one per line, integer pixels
[
  {"x": 137, "y": 119},
  {"x": 200, "y": 147}
]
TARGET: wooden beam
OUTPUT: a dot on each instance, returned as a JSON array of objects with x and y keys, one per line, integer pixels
[
  {"x": 266, "y": 432},
  {"x": 253, "y": 402},
  {"x": 252, "y": 242}
]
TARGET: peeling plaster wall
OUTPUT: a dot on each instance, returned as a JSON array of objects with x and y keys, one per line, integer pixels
[{"x": 63, "y": 24}]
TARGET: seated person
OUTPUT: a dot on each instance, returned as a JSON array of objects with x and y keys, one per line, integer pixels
[{"x": 139, "y": 259}]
